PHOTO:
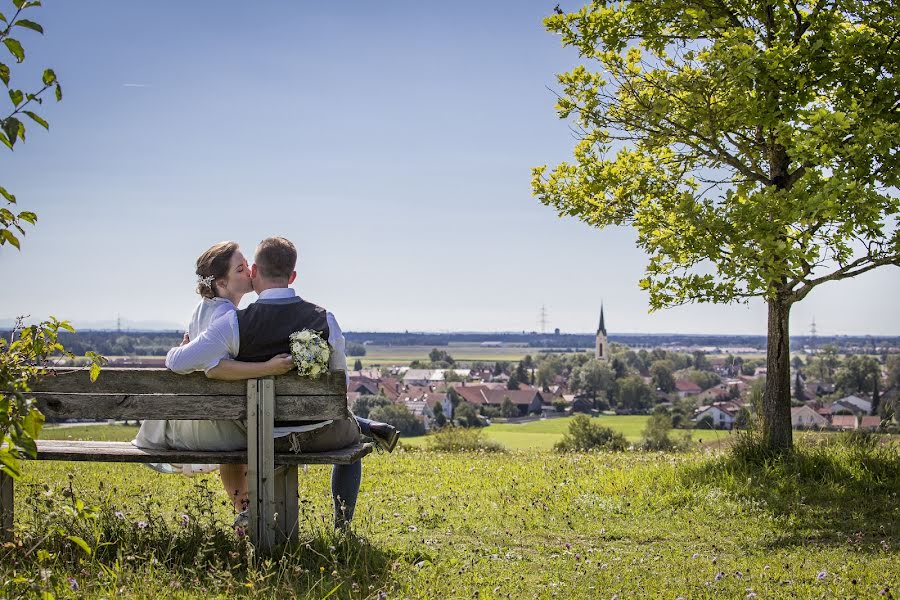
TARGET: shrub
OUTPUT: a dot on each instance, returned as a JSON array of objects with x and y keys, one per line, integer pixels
[
  {"x": 584, "y": 435},
  {"x": 363, "y": 405},
  {"x": 461, "y": 439}
]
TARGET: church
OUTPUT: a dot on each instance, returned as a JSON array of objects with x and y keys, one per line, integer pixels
[{"x": 601, "y": 349}]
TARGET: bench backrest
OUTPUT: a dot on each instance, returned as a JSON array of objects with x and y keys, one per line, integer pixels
[{"x": 161, "y": 394}]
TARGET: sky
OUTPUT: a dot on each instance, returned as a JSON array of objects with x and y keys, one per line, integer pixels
[{"x": 392, "y": 142}]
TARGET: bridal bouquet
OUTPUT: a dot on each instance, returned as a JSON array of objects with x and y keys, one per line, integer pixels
[{"x": 310, "y": 353}]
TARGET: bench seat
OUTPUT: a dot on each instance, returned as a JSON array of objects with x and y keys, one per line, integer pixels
[{"x": 126, "y": 452}]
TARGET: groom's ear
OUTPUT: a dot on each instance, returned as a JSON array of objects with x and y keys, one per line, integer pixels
[
  {"x": 292, "y": 277},
  {"x": 254, "y": 273}
]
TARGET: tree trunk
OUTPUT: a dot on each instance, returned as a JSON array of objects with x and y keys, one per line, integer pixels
[{"x": 776, "y": 422}]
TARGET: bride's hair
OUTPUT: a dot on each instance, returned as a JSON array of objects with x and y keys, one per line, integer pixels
[{"x": 213, "y": 265}]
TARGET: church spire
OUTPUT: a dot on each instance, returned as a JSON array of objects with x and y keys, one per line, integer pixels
[{"x": 602, "y": 327}]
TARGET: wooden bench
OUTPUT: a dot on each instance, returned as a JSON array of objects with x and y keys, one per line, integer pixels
[{"x": 161, "y": 394}]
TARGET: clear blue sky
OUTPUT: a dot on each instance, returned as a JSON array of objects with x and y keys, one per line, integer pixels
[{"x": 392, "y": 142}]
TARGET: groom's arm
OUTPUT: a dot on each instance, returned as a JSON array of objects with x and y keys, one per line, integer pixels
[{"x": 218, "y": 342}]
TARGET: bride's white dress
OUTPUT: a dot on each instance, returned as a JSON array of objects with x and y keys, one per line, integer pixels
[{"x": 194, "y": 435}]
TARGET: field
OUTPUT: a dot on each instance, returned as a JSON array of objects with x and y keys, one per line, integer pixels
[
  {"x": 526, "y": 524},
  {"x": 402, "y": 355},
  {"x": 541, "y": 435}
]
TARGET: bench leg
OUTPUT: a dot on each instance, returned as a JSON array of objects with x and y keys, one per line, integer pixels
[
  {"x": 287, "y": 502},
  {"x": 261, "y": 462},
  {"x": 6, "y": 507}
]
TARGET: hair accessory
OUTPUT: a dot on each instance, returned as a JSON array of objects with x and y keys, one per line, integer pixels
[{"x": 206, "y": 281}]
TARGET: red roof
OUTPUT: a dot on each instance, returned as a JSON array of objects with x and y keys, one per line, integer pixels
[
  {"x": 844, "y": 421},
  {"x": 685, "y": 385}
]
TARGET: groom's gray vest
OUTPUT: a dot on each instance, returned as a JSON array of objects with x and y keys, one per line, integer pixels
[{"x": 265, "y": 326}]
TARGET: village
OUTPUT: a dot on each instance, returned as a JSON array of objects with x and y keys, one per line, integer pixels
[{"x": 830, "y": 391}]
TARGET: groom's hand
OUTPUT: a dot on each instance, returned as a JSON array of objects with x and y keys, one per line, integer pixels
[{"x": 280, "y": 364}]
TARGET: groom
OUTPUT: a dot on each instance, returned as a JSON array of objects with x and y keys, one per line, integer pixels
[{"x": 260, "y": 332}]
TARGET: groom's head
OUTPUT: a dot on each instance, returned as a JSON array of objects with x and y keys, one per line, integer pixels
[{"x": 273, "y": 264}]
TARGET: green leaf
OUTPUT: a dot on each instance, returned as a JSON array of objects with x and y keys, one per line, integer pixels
[
  {"x": 95, "y": 372},
  {"x": 58, "y": 92},
  {"x": 33, "y": 422},
  {"x": 37, "y": 119},
  {"x": 7, "y": 195},
  {"x": 28, "y": 216},
  {"x": 49, "y": 77},
  {"x": 9, "y": 463},
  {"x": 68, "y": 327},
  {"x": 18, "y": 3},
  {"x": 2, "y": 17},
  {"x": 7, "y": 236},
  {"x": 16, "y": 96},
  {"x": 15, "y": 48},
  {"x": 80, "y": 543},
  {"x": 5, "y": 140},
  {"x": 4, "y": 74},
  {"x": 29, "y": 25},
  {"x": 11, "y": 129}
]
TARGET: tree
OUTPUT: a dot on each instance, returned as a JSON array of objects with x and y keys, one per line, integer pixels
[
  {"x": 354, "y": 349},
  {"x": 357, "y": 365},
  {"x": 513, "y": 382},
  {"x": 584, "y": 435},
  {"x": 508, "y": 409},
  {"x": 656, "y": 431},
  {"x": 663, "y": 379},
  {"x": 755, "y": 147},
  {"x": 440, "y": 356},
  {"x": 591, "y": 378},
  {"x": 634, "y": 394},
  {"x": 465, "y": 415},
  {"x": 400, "y": 417},
  {"x": 857, "y": 374},
  {"x": 363, "y": 405},
  {"x": 440, "y": 419},
  {"x": 799, "y": 390}
]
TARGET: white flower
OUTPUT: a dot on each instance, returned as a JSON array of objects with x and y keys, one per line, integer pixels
[{"x": 309, "y": 352}]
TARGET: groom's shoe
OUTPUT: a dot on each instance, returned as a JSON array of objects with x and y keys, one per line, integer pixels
[{"x": 385, "y": 435}]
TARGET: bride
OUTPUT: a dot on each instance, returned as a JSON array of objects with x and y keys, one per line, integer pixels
[{"x": 223, "y": 278}]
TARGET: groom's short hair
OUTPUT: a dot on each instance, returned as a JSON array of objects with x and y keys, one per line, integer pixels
[{"x": 276, "y": 258}]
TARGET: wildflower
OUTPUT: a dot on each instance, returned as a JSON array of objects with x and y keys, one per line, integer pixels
[
  {"x": 73, "y": 585},
  {"x": 696, "y": 555},
  {"x": 720, "y": 575},
  {"x": 142, "y": 524},
  {"x": 568, "y": 546},
  {"x": 119, "y": 515},
  {"x": 185, "y": 520},
  {"x": 240, "y": 532},
  {"x": 738, "y": 574},
  {"x": 751, "y": 594},
  {"x": 413, "y": 528},
  {"x": 382, "y": 595},
  {"x": 822, "y": 575}
]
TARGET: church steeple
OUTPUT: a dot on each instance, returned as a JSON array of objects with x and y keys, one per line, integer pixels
[
  {"x": 602, "y": 327},
  {"x": 601, "y": 347}
]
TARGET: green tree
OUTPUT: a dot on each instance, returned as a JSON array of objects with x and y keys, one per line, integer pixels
[
  {"x": 591, "y": 378},
  {"x": 400, "y": 417},
  {"x": 752, "y": 146},
  {"x": 357, "y": 365},
  {"x": 661, "y": 371},
  {"x": 363, "y": 405},
  {"x": 508, "y": 409},
  {"x": 354, "y": 349},
  {"x": 465, "y": 415},
  {"x": 656, "y": 431},
  {"x": 440, "y": 419},
  {"x": 857, "y": 374},
  {"x": 799, "y": 390},
  {"x": 634, "y": 394}
]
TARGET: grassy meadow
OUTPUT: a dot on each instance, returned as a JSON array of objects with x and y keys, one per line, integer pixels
[{"x": 525, "y": 524}]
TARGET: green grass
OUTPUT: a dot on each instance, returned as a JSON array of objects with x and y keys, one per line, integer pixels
[
  {"x": 527, "y": 524},
  {"x": 541, "y": 435}
]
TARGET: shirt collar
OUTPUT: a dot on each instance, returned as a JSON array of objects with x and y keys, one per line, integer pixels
[{"x": 277, "y": 293}]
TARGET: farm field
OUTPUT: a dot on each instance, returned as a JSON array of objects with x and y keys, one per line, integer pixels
[
  {"x": 541, "y": 435},
  {"x": 526, "y": 524},
  {"x": 402, "y": 355}
]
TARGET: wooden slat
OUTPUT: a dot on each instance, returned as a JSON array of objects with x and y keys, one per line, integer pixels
[
  {"x": 125, "y": 452},
  {"x": 166, "y": 406},
  {"x": 287, "y": 502},
  {"x": 163, "y": 381}
]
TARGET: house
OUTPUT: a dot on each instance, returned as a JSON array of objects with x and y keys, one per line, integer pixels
[
  {"x": 722, "y": 417},
  {"x": 363, "y": 386},
  {"x": 391, "y": 388},
  {"x": 852, "y": 404},
  {"x": 686, "y": 388},
  {"x": 804, "y": 417},
  {"x": 844, "y": 422},
  {"x": 438, "y": 374},
  {"x": 527, "y": 401},
  {"x": 871, "y": 423},
  {"x": 418, "y": 376}
]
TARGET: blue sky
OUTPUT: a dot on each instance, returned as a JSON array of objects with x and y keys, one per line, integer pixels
[{"x": 392, "y": 142}]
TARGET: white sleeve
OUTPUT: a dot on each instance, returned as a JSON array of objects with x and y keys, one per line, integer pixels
[
  {"x": 219, "y": 341},
  {"x": 338, "y": 361}
]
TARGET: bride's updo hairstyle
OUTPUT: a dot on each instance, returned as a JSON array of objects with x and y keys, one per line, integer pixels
[{"x": 212, "y": 266}]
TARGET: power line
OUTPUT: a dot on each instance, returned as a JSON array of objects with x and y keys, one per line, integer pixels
[{"x": 542, "y": 319}]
